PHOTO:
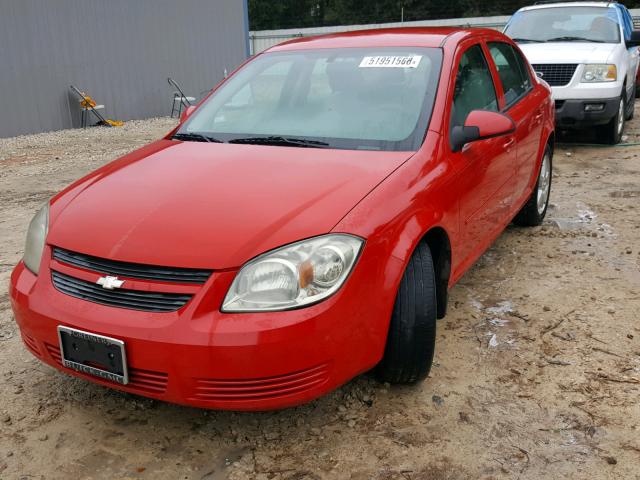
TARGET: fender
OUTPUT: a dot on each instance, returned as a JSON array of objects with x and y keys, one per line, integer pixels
[{"x": 423, "y": 190}]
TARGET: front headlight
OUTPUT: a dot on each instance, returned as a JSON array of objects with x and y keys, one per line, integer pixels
[
  {"x": 599, "y": 73},
  {"x": 36, "y": 235},
  {"x": 293, "y": 276}
]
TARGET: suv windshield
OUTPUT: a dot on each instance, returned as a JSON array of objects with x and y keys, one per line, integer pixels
[
  {"x": 349, "y": 98},
  {"x": 565, "y": 24}
]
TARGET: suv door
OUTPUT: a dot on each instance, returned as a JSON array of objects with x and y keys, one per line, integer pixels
[
  {"x": 486, "y": 166},
  {"x": 632, "y": 53},
  {"x": 525, "y": 105}
]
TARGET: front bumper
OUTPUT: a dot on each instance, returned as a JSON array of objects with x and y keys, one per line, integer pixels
[
  {"x": 575, "y": 114},
  {"x": 200, "y": 357}
]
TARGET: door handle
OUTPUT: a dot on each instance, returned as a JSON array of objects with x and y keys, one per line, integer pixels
[
  {"x": 538, "y": 116},
  {"x": 509, "y": 143}
]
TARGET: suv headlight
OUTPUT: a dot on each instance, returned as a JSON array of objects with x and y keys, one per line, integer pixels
[
  {"x": 36, "y": 235},
  {"x": 293, "y": 276},
  {"x": 599, "y": 73}
]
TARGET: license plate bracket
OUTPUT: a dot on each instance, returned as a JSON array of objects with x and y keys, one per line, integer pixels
[{"x": 93, "y": 354}]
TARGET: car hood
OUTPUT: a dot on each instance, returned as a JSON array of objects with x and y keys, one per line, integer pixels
[
  {"x": 567, "y": 52},
  {"x": 211, "y": 205}
]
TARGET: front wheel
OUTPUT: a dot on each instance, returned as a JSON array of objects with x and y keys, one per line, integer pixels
[
  {"x": 412, "y": 331},
  {"x": 533, "y": 212},
  {"x": 631, "y": 107},
  {"x": 613, "y": 130}
]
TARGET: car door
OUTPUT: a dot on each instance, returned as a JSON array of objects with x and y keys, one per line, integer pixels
[
  {"x": 525, "y": 105},
  {"x": 486, "y": 166}
]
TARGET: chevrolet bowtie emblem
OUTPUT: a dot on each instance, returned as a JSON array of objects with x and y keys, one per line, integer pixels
[{"x": 110, "y": 283}]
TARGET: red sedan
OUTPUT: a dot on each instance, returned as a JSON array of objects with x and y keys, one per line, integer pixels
[{"x": 303, "y": 225}]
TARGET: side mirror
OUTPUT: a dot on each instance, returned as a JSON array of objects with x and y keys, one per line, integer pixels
[
  {"x": 634, "y": 41},
  {"x": 186, "y": 113},
  {"x": 480, "y": 125}
]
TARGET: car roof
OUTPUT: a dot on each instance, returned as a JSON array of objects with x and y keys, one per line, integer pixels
[
  {"x": 569, "y": 4},
  {"x": 385, "y": 37}
]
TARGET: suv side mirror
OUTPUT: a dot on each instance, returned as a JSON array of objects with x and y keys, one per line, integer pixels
[
  {"x": 480, "y": 125},
  {"x": 634, "y": 41},
  {"x": 186, "y": 113}
]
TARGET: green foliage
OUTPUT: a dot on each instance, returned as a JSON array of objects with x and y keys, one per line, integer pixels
[{"x": 270, "y": 14}]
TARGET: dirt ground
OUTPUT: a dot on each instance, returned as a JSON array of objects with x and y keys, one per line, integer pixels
[{"x": 536, "y": 376}]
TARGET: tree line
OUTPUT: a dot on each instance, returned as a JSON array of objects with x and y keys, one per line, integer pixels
[{"x": 269, "y": 14}]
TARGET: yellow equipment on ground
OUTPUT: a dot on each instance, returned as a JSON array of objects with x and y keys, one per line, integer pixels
[{"x": 88, "y": 104}]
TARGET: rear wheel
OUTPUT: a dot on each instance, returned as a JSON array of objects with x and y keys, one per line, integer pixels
[
  {"x": 533, "y": 212},
  {"x": 412, "y": 331},
  {"x": 613, "y": 130}
]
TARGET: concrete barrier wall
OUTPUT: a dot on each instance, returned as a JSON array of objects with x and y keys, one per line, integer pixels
[{"x": 263, "y": 39}]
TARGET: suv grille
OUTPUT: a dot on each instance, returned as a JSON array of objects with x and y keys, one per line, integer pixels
[
  {"x": 556, "y": 74},
  {"x": 122, "y": 298},
  {"x": 131, "y": 270}
]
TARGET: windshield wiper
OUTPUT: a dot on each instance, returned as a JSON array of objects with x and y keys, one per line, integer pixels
[
  {"x": 195, "y": 137},
  {"x": 533, "y": 40},
  {"x": 574, "y": 39},
  {"x": 281, "y": 141}
]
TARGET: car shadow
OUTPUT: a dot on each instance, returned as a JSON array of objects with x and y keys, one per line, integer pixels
[{"x": 588, "y": 135}]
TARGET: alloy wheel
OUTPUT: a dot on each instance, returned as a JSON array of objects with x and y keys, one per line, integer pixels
[{"x": 544, "y": 183}]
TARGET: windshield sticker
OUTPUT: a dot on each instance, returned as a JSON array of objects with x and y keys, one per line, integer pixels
[{"x": 391, "y": 61}]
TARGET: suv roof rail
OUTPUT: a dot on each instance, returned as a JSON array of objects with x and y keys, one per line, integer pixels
[{"x": 544, "y": 2}]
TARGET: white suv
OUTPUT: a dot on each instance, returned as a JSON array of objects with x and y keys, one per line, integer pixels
[{"x": 588, "y": 53}]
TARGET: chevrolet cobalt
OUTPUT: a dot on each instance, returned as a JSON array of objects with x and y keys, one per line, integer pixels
[{"x": 302, "y": 225}]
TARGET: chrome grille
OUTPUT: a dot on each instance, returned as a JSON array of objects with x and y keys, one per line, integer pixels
[
  {"x": 131, "y": 270},
  {"x": 121, "y": 297},
  {"x": 556, "y": 74}
]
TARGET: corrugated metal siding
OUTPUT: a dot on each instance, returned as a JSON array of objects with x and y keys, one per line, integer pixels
[
  {"x": 119, "y": 51},
  {"x": 262, "y": 39}
]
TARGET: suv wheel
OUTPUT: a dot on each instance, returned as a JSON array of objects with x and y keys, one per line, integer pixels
[
  {"x": 412, "y": 331},
  {"x": 631, "y": 104},
  {"x": 613, "y": 130}
]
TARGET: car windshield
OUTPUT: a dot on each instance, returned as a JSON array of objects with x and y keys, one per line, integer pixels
[
  {"x": 565, "y": 24},
  {"x": 349, "y": 98}
]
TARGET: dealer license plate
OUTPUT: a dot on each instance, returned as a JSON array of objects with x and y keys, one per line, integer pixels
[{"x": 93, "y": 354}]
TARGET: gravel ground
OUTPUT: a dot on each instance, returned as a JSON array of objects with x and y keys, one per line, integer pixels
[{"x": 537, "y": 369}]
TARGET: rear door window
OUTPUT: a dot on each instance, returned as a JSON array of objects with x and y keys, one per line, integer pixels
[{"x": 512, "y": 70}]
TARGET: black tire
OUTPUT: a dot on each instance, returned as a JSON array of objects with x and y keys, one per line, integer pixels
[
  {"x": 532, "y": 214},
  {"x": 631, "y": 104},
  {"x": 412, "y": 331},
  {"x": 613, "y": 130}
]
